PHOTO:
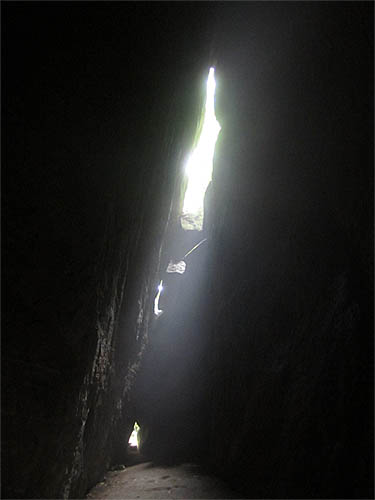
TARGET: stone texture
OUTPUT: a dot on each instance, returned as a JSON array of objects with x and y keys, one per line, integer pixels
[
  {"x": 96, "y": 128},
  {"x": 291, "y": 343},
  {"x": 153, "y": 481},
  {"x": 262, "y": 364}
]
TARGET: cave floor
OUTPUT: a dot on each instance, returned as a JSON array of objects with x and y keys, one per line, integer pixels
[{"x": 147, "y": 480}]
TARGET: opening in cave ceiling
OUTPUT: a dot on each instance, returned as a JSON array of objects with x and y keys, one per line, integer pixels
[{"x": 200, "y": 162}]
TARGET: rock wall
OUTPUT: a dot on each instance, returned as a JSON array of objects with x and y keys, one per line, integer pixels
[
  {"x": 291, "y": 275},
  {"x": 262, "y": 365},
  {"x": 100, "y": 109}
]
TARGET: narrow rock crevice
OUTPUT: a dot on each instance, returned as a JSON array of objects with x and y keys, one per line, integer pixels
[{"x": 259, "y": 371}]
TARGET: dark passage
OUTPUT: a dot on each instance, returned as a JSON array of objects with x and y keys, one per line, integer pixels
[{"x": 256, "y": 381}]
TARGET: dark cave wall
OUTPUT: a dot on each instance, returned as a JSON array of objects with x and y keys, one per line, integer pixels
[
  {"x": 291, "y": 271},
  {"x": 262, "y": 364},
  {"x": 100, "y": 107}
]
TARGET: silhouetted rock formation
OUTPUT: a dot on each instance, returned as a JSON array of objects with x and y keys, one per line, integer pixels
[{"x": 101, "y": 107}]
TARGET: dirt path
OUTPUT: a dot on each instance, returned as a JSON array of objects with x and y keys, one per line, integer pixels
[{"x": 168, "y": 482}]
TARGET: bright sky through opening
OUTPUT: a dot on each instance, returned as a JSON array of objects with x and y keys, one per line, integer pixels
[
  {"x": 199, "y": 164},
  {"x": 133, "y": 440}
]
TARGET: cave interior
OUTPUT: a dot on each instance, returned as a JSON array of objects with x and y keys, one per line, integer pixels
[{"x": 260, "y": 366}]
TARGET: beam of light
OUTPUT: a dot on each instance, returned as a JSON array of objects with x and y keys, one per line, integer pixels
[
  {"x": 133, "y": 440},
  {"x": 199, "y": 164},
  {"x": 194, "y": 248},
  {"x": 158, "y": 311}
]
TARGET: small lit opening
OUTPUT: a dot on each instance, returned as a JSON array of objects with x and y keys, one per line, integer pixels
[
  {"x": 200, "y": 163},
  {"x": 133, "y": 440},
  {"x": 158, "y": 311}
]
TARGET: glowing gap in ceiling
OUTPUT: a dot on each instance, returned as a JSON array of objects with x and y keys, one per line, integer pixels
[{"x": 199, "y": 164}]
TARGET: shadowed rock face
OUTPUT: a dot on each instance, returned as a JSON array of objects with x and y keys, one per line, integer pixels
[
  {"x": 100, "y": 111},
  {"x": 292, "y": 336},
  {"x": 262, "y": 364},
  {"x": 276, "y": 333}
]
